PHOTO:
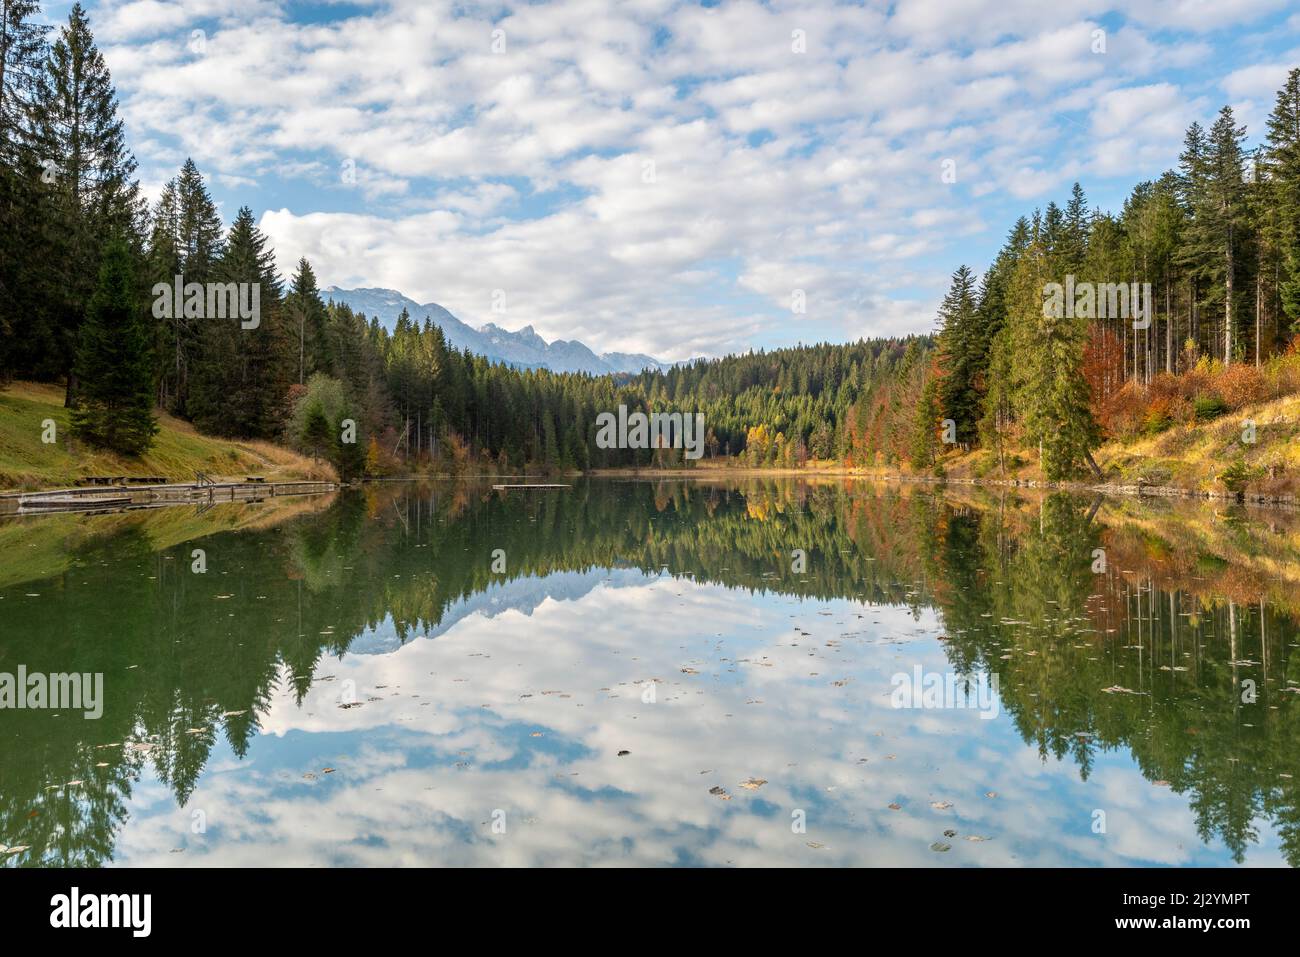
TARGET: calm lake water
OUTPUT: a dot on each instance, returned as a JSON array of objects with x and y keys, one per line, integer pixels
[{"x": 657, "y": 673}]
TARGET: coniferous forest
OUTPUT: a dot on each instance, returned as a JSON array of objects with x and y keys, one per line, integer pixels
[{"x": 1217, "y": 238}]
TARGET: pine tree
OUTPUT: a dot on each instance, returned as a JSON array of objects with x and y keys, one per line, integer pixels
[
  {"x": 22, "y": 42},
  {"x": 186, "y": 241},
  {"x": 114, "y": 361},
  {"x": 241, "y": 388},
  {"x": 306, "y": 312},
  {"x": 95, "y": 194},
  {"x": 1074, "y": 234},
  {"x": 1225, "y": 207},
  {"x": 198, "y": 226},
  {"x": 925, "y": 426},
  {"x": 1282, "y": 165},
  {"x": 27, "y": 333},
  {"x": 959, "y": 356},
  {"x": 1197, "y": 249},
  {"x": 349, "y": 460},
  {"x": 316, "y": 431},
  {"x": 1051, "y": 392},
  {"x": 163, "y": 265}
]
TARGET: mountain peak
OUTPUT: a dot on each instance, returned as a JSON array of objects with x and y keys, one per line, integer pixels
[{"x": 522, "y": 347}]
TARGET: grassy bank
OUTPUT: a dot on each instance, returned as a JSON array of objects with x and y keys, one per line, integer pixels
[
  {"x": 1187, "y": 456},
  {"x": 178, "y": 451}
]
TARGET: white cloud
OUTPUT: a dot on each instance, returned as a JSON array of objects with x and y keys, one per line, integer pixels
[{"x": 768, "y": 163}]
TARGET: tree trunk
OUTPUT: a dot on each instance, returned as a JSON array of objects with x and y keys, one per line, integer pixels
[{"x": 1169, "y": 331}]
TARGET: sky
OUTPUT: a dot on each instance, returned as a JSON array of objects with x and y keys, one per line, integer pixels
[{"x": 679, "y": 179}]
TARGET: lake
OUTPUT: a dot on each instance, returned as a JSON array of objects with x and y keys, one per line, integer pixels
[{"x": 657, "y": 672}]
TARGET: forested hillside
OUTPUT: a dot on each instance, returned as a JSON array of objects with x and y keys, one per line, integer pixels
[{"x": 82, "y": 257}]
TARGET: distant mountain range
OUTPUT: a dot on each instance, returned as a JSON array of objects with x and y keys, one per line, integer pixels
[{"x": 523, "y": 348}]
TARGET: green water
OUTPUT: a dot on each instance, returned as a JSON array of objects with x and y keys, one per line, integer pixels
[{"x": 447, "y": 674}]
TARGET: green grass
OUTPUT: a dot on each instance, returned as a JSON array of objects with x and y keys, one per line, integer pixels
[{"x": 178, "y": 451}]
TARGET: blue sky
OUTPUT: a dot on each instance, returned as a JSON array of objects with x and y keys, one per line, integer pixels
[{"x": 662, "y": 177}]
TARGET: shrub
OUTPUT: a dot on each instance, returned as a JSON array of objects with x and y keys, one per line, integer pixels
[
  {"x": 1209, "y": 406},
  {"x": 1158, "y": 416},
  {"x": 1241, "y": 384},
  {"x": 1238, "y": 475}
]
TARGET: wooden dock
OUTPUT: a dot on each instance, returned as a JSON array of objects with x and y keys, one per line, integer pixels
[{"x": 206, "y": 492}]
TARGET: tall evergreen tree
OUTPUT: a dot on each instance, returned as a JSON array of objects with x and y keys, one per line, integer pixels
[
  {"x": 306, "y": 314},
  {"x": 22, "y": 42},
  {"x": 95, "y": 194},
  {"x": 241, "y": 387},
  {"x": 1225, "y": 209},
  {"x": 114, "y": 361},
  {"x": 959, "y": 354},
  {"x": 1051, "y": 392},
  {"x": 1282, "y": 166},
  {"x": 1074, "y": 233},
  {"x": 23, "y": 326}
]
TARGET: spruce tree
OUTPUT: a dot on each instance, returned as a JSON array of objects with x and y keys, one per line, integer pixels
[
  {"x": 306, "y": 314},
  {"x": 95, "y": 194},
  {"x": 1051, "y": 392},
  {"x": 22, "y": 42},
  {"x": 1282, "y": 165},
  {"x": 241, "y": 387},
  {"x": 316, "y": 431},
  {"x": 114, "y": 361},
  {"x": 25, "y": 328},
  {"x": 1225, "y": 207},
  {"x": 959, "y": 355}
]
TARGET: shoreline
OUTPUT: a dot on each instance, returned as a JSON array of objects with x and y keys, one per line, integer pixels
[
  {"x": 13, "y": 501},
  {"x": 115, "y": 498}
]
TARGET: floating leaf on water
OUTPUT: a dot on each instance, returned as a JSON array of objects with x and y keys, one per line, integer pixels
[
  {"x": 1161, "y": 784},
  {"x": 327, "y": 771},
  {"x": 753, "y": 784},
  {"x": 721, "y": 792},
  {"x": 895, "y": 807},
  {"x": 975, "y": 837},
  {"x": 233, "y": 714},
  {"x": 536, "y": 734},
  {"x": 990, "y": 794},
  {"x": 815, "y": 846},
  {"x": 950, "y": 833},
  {"x": 940, "y": 847},
  {"x": 941, "y": 805}
]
